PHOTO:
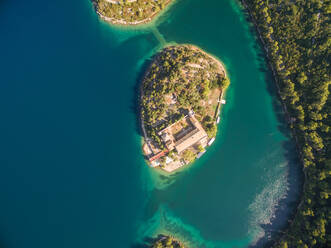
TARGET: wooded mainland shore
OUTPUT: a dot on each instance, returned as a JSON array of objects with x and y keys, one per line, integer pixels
[{"x": 295, "y": 39}]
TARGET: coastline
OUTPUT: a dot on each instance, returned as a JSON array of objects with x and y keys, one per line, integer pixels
[
  {"x": 145, "y": 139},
  {"x": 276, "y": 79}
]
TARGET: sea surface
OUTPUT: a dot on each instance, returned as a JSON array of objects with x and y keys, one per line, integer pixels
[{"x": 71, "y": 169}]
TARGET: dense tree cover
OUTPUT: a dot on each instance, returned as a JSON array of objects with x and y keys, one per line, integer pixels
[
  {"x": 166, "y": 242},
  {"x": 180, "y": 78},
  {"x": 188, "y": 155},
  {"x": 129, "y": 11},
  {"x": 296, "y": 37}
]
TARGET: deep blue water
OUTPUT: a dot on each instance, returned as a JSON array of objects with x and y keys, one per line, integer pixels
[{"x": 71, "y": 169}]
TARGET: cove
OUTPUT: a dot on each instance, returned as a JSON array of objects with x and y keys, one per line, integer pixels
[{"x": 72, "y": 173}]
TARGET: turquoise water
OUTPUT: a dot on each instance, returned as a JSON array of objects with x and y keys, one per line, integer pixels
[{"x": 72, "y": 173}]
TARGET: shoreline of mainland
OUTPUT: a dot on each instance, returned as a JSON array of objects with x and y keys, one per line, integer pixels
[{"x": 286, "y": 236}]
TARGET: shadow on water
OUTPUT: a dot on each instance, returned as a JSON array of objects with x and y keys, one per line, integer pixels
[
  {"x": 287, "y": 206},
  {"x": 135, "y": 106},
  {"x": 135, "y": 102}
]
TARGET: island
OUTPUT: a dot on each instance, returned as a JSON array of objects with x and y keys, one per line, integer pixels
[
  {"x": 129, "y": 12},
  {"x": 163, "y": 241},
  {"x": 180, "y": 96}
]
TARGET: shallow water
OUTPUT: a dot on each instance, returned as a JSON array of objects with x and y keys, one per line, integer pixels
[{"x": 72, "y": 172}]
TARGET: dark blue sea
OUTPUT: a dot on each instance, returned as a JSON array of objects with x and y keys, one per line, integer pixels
[{"x": 72, "y": 172}]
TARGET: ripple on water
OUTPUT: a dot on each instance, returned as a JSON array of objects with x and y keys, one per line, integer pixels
[{"x": 266, "y": 202}]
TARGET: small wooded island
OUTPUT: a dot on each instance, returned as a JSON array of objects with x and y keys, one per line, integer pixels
[
  {"x": 129, "y": 12},
  {"x": 181, "y": 95},
  {"x": 163, "y": 241}
]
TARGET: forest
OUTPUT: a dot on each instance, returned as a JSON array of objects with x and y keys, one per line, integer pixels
[{"x": 296, "y": 38}]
